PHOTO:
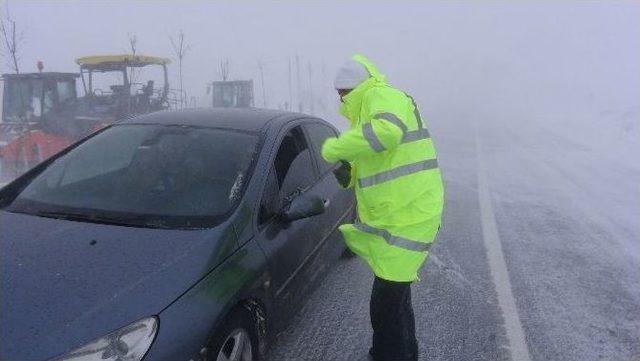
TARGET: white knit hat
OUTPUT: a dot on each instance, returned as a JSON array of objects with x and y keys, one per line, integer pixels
[{"x": 350, "y": 75}]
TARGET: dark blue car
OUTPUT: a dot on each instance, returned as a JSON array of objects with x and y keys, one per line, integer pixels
[{"x": 172, "y": 236}]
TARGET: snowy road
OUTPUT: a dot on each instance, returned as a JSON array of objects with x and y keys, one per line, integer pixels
[{"x": 538, "y": 259}]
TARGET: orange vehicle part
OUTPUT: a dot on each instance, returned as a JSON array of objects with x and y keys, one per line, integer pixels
[
  {"x": 30, "y": 149},
  {"x": 24, "y": 152}
]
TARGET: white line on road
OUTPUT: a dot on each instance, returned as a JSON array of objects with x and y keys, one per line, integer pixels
[{"x": 498, "y": 267}]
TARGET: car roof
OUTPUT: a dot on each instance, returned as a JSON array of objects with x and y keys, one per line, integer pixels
[{"x": 246, "y": 119}]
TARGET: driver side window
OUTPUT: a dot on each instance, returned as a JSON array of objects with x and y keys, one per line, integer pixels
[{"x": 292, "y": 172}]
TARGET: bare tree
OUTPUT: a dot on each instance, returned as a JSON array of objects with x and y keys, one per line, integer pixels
[
  {"x": 224, "y": 69},
  {"x": 311, "y": 99},
  {"x": 264, "y": 93},
  {"x": 11, "y": 40},
  {"x": 180, "y": 48},
  {"x": 299, "y": 88},
  {"x": 288, "y": 104},
  {"x": 133, "y": 46}
]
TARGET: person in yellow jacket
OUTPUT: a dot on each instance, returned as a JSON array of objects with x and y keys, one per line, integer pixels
[{"x": 388, "y": 156}]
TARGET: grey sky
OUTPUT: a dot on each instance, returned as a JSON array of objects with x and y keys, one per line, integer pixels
[{"x": 560, "y": 62}]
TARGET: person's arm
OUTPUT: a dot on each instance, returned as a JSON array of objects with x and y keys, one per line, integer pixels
[
  {"x": 379, "y": 135},
  {"x": 383, "y": 131}
]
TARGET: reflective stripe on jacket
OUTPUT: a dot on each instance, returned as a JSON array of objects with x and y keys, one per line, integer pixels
[{"x": 395, "y": 173}]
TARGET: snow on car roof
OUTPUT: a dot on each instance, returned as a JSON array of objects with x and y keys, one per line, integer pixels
[{"x": 250, "y": 119}]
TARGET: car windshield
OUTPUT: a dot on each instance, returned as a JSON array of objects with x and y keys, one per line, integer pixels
[{"x": 144, "y": 175}]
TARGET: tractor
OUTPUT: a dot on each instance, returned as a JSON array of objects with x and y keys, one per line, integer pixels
[
  {"x": 42, "y": 113},
  {"x": 112, "y": 90},
  {"x": 36, "y": 109},
  {"x": 231, "y": 93}
]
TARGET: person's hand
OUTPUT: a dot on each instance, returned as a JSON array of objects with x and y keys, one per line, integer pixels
[{"x": 343, "y": 173}]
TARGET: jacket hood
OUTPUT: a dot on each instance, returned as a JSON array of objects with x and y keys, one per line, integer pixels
[
  {"x": 352, "y": 102},
  {"x": 371, "y": 68}
]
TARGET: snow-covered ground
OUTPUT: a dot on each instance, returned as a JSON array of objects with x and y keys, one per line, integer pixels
[{"x": 565, "y": 205}]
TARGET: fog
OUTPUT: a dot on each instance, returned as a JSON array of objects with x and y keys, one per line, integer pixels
[
  {"x": 564, "y": 78},
  {"x": 574, "y": 64},
  {"x": 534, "y": 108}
]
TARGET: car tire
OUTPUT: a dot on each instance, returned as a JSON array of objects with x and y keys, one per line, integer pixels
[{"x": 236, "y": 339}]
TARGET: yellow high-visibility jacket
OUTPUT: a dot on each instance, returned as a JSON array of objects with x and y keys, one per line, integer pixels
[{"x": 395, "y": 173}]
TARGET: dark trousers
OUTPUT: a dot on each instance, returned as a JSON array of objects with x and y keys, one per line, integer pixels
[{"x": 394, "y": 329}]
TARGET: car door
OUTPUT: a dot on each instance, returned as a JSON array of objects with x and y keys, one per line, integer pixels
[
  {"x": 287, "y": 244},
  {"x": 341, "y": 200}
]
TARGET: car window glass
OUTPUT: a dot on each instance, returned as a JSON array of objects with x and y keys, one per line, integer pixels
[
  {"x": 318, "y": 133},
  {"x": 293, "y": 166},
  {"x": 79, "y": 165},
  {"x": 300, "y": 175},
  {"x": 270, "y": 202}
]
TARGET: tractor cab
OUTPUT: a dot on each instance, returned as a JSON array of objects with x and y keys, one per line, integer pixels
[
  {"x": 37, "y": 99},
  {"x": 37, "y": 119},
  {"x": 112, "y": 88},
  {"x": 231, "y": 94},
  {"x": 43, "y": 101}
]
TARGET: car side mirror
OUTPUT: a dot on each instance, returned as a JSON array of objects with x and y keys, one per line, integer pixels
[{"x": 303, "y": 206}]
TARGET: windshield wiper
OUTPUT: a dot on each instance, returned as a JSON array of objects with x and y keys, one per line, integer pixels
[{"x": 93, "y": 218}]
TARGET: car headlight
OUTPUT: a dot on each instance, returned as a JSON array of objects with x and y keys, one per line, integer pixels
[{"x": 129, "y": 343}]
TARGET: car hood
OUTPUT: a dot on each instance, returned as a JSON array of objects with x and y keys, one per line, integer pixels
[{"x": 65, "y": 283}]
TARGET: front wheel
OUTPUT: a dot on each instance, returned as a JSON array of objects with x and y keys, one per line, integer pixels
[{"x": 236, "y": 340}]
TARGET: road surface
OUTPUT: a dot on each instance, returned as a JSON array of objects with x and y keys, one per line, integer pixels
[{"x": 537, "y": 259}]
